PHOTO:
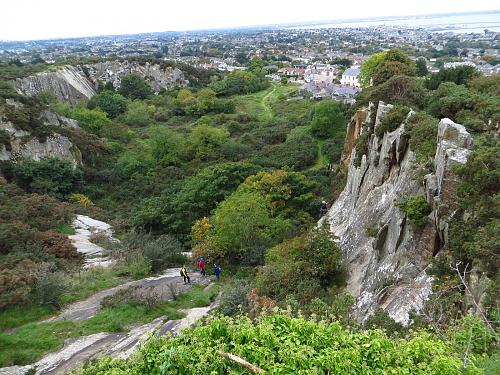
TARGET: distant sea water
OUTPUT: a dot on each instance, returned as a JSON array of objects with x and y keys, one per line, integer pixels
[{"x": 463, "y": 23}]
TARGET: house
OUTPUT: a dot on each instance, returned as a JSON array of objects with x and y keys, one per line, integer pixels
[
  {"x": 350, "y": 77},
  {"x": 291, "y": 72}
]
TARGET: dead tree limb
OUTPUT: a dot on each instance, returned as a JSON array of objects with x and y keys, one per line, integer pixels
[
  {"x": 241, "y": 362},
  {"x": 476, "y": 305}
]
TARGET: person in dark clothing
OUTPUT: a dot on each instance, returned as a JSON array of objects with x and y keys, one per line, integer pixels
[
  {"x": 184, "y": 274},
  {"x": 217, "y": 271},
  {"x": 323, "y": 209}
]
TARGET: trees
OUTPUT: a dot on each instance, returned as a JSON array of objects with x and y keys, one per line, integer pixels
[
  {"x": 139, "y": 114},
  {"x": 241, "y": 228},
  {"x": 384, "y": 65},
  {"x": 167, "y": 146},
  {"x": 328, "y": 119},
  {"x": 459, "y": 75},
  {"x": 133, "y": 86},
  {"x": 110, "y": 102},
  {"x": 421, "y": 67},
  {"x": 50, "y": 176},
  {"x": 92, "y": 120},
  {"x": 239, "y": 82},
  {"x": 205, "y": 141}
]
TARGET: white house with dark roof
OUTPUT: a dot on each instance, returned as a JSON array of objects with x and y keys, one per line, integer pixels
[{"x": 350, "y": 77}]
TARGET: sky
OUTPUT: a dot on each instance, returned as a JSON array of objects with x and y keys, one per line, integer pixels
[{"x": 43, "y": 19}]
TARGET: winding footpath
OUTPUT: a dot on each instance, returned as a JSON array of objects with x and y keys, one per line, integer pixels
[{"x": 76, "y": 351}]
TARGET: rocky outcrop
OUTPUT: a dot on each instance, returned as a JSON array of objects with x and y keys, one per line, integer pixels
[
  {"x": 386, "y": 255},
  {"x": 74, "y": 83},
  {"x": 353, "y": 132},
  {"x": 23, "y": 145},
  {"x": 68, "y": 84}
]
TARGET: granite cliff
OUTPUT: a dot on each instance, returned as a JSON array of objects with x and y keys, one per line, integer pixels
[
  {"x": 19, "y": 144},
  {"x": 387, "y": 256},
  {"x": 74, "y": 83}
]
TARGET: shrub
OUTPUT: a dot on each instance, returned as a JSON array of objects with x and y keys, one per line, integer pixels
[
  {"x": 164, "y": 251},
  {"x": 110, "y": 102},
  {"x": 361, "y": 148},
  {"x": 139, "y": 114},
  {"x": 417, "y": 209},
  {"x": 380, "y": 319},
  {"x": 50, "y": 176},
  {"x": 423, "y": 134},
  {"x": 392, "y": 120},
  {"x": 133, "y": 86},
  {"x": 372, "y": 231},
  {"x": 328, "y": 119},
  {"x": 49, "y": 289},
  {"x": 280, "y": 344},
  {"x": 234, "y": 300}
]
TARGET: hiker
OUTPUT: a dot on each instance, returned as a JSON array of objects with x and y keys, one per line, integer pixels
[
  {"x": 217, "y": 271},
  {"x": 202, "y": 265},
  {"x": 184, "y": 274},
  {"x": 323, "y": 210}
]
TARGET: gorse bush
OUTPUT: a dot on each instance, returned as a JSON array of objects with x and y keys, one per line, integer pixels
[
  {"x": 50, "y": 176},
  {"x": 281, "y": 344},
  {"x": 417, "y": 209},
  {"x": 392, "y": 120},
  {"x": 422, "y": 129}
]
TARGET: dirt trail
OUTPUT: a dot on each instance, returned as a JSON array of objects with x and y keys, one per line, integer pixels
[{"x": 78, "y": 350}]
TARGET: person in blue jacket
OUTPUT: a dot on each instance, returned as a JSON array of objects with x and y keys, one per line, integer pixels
[{"x": 217, "y": 271}]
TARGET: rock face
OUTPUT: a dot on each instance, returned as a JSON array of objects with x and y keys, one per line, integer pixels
[
  {"x": 22, "y": 145},
  {"x": 74, "y": 83},
  {"x": 68, "y": 84},
  {"x": 388, "y": 270},
  {"x": 85, "y": 229}
]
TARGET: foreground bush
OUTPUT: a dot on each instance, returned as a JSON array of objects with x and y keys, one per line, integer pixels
[{"x": 281, "y": 344}]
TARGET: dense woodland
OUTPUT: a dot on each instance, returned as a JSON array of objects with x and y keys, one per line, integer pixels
[{"x": 230, "y": 169}]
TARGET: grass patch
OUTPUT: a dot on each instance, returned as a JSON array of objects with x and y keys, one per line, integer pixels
[
  {"x": 87, "y": 282},
  {"x": 17, "y": 316},
  {"x": 66, "y": 229},
  {"x": 195, "y": 297},
  {"x": 30, "y": 342}
]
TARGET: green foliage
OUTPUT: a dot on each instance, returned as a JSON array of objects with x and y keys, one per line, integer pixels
[
  {"x": 205, "y": 141},
  {"x": 239, "y": 82},
  {"x": 49, "y": 289},
  {"x": 110, "y": 102},
  {"x": 473, "y": 336},
  {"x": 234, "y": 298},
  {"x": 197, "y": 198},
  {"x": 139, "y": 114},
  {"x": 421, "y": 65},
  {"x": 459, "y": 75},
  {"x": 381, "y": 320},
  {"x": 133, "y": 86},
  {"x": 417, "y": 209},
  {"x": 476, "y": 237},
  {"x": 167, "y": 146},
  {"x": 92, "y": 120},
  {"x": 50, "y": 176},
  {"x": 422, "y": 129},
  {"x": 163, "y": 251},
  {"x": 328, "y": 119},
  {"x": 372, "y": 231},
  {"x": 281, "y": 344},
  {"x": 361, "y": 147},
  {"x": 392, "y": 120},
  {"x": 402, "y": 90},
  {"x": 66, "y": 229},
  {"x": 449, "y": 99},
  {"x": 382, "y": 66},
  {"x": 299, "y": 150},
  {"x": 243, "y": 228},
  {"x": 304, "y": 266}
]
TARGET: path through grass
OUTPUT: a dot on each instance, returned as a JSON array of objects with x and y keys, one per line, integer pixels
[{"x": 29, "y": 343}]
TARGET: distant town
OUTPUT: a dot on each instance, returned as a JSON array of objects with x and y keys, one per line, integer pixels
[{"x": 323, "y": 62}]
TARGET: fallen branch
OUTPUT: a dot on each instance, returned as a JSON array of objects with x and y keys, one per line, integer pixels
[{"x": 241, "y": 362}]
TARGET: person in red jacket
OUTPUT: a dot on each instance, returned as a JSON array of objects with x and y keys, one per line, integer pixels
[{"x": 202, "y": 265}]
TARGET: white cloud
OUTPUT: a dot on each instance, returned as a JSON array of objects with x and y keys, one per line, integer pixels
[{"x": 37, "y": 19}]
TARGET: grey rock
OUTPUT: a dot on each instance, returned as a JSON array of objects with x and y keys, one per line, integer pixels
[
  {"x": 74, "y": 83},
  {"x": 390, "y": 271}
]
